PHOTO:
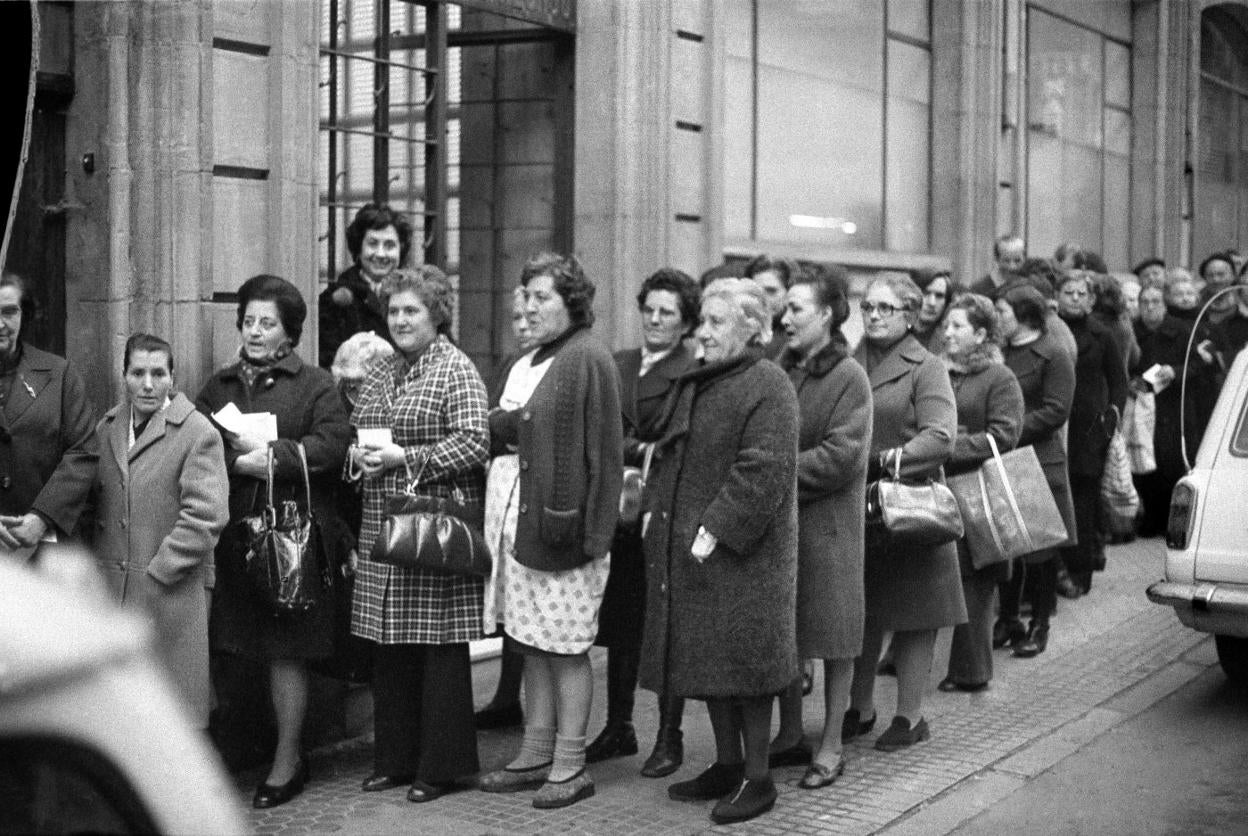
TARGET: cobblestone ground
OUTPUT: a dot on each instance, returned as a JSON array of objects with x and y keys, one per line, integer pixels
[{"x": 1101, "y": 644}]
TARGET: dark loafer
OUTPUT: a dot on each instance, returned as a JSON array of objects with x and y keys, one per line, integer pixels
[
  {"x": 717, "y": 781},
  {"x": 377, "y": 783},
  {"x": 950, "y": 686},
  {"x": 854, "y": 726},
  {"x": 819, "y": 776},
  {"x": 752, "y": 798},
  {"x": 799, "y": 754},
  {"x": 668, "y": 755},
  {"x": 616, "y": 740},
  {"x": 420, "y": 792},
  {"x": 901, "y": 734}
]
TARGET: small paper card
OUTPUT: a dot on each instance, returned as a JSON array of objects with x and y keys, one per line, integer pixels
[
  {"x": 262, "y": 424},
  {"x": 1151, "y": 377},
  {"x": 376, "y": 438}
]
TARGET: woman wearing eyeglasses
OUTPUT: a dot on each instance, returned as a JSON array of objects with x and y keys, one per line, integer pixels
[{"x": 910, "y": 592}]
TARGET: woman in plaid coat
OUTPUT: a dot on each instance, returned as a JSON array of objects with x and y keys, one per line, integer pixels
[{"x": 433, "y": 401}]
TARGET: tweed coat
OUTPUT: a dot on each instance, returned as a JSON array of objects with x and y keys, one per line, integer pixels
[
  {"x": 727, "y": 461},
  {"x": 1100, "y": 383},
  {"x": 161, "y": 505},
  {"x": 641, "y": 400},
  {"x": 913, "y": 408},
  {"x": 834, "y": 405},
  {"x": 1046, "y": 374},
  {"x": 436, "y": 411},
  {"x": 47, "y": 441},
  {"x": 310, "y": 411},
  {"x": 990, "y": 402}
]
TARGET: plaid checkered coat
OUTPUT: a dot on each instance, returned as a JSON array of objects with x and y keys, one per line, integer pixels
[{"x": 437, "y": 413}]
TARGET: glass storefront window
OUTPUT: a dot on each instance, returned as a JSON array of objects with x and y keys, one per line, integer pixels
[{"x": 1221, "y": 210}]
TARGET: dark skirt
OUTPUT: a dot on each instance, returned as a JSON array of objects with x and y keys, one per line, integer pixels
[{"x": 621, "y": 620}]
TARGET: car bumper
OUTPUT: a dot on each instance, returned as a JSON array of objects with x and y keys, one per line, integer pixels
[{"x": 1208, "y": 607}]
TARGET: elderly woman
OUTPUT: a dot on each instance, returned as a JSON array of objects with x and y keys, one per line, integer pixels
[
  {"x": 834, "y": 403},
  {"x": 47, "y": 444},
  {"x": 1100, "y": 394},
  {"x": 668, "y": 303},
  {"x": 1046, "y": 375},
  {"x": 939, "y": 290},
  {"x": 721, "y": 548},
  {"x": 157, "y": 453},
  {"x": 270, "y": 377},
  {"x": 553, "y": 501},
  {"x": 433, "y": 402},
  {"x": 910, "y": 592},
  {"x": 990, "y": 403},
  {"x": 379, "y": 239}
]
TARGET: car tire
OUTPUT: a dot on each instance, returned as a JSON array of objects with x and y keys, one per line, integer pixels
[{"x": 1233, "y": 656}]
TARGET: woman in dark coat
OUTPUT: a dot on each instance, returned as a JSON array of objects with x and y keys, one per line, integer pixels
[
  {"x": 989, "y": 402},
  {"x": 432, "y": 400},
  {"x": 1100, "y": 395},
  {"x": 668, "y": 302},
  {"x": 834, "y": 402},
  {"x": 1046, "y": 374},
  {"x": 912, "y": 592},
  {"x": 721, "y": 548},
  {"x": 270, "y": 377}
]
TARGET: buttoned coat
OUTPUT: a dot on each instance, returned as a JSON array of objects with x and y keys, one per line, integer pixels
[
  {"x": 834, "y": 403},
  {"x": 47, "y": 441},
  {"x": 161, "y": 505},
  {"x": 641, "y": 400},
  {"x": 913, "y": 408},
  {"x": 1046, "y": 375},
  {"x": 435, "y": 409},
  {"x": 310, "y": 412},
  {"x": 1100, "y": 386},
  {"x": 727, "y": 461}
]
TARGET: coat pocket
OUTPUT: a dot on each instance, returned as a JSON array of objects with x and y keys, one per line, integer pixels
[{"x": 561, "y": 528}]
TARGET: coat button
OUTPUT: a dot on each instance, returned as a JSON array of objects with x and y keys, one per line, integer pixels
[
  {"x": 524, "y": 464},
  {"x": 122, "y": 523},
  {"x": 526, "y": 416},
  {"x": 663, "y": 587},
  {"x": 524, "y": 509},
  {"x": 6, "y": 482}
]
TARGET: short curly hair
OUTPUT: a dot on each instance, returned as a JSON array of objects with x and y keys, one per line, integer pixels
[
  {"x": 904, "y": 288},
  {"x": 570, "y": 282},
  {"x": 379, "y": 216},
  {"x": 291, "y": 309},
  {"x": 980, "y": 313},
  {"x": 682, "y": 285},
  {"x": 750, "y": 301},
  {"x": 430, "y": 285}
]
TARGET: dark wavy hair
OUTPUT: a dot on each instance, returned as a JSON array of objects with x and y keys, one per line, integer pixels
[
  {"x": 1218, "y": 256},
  {"x": 1109, "y": 298},
  {"x": 677, "y": 282},
  {"x": 786, "y": 268},
  {"x": 373, "y": 216},
  {"x": 830, "y": 284},
  {"x": 145, "y": 342},
  {"x": 291, "y": 309},
  {"x": 1043, "y": 270},
  {"x": 1028, "y": 304},
  {"x": 431, "y": 286},
  {"x": 570, "y": 281}
]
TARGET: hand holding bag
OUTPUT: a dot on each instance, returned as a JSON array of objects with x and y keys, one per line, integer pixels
[
  {"x": 1118, "y": 495},
  {"x": 916, "y": 514},
  {"x": 284, "y": 557},
  {"x": 1007, "y": 507},
  {"x": 634, "y": 484},
  {"x": 437, "y": 534}
]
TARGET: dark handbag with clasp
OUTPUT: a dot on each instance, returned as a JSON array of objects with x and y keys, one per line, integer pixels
[
  {"x": 916, "y": 514},
  {"x": 437, "y": 534},
  {"x": 285, "y": 559}
]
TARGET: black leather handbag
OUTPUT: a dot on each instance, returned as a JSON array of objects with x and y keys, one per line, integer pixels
[{"x": 916, "y": 514}]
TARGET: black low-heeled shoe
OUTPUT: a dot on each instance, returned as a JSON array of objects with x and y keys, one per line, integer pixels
[
  {"x": 799, "y": 754},
  {"x": 420, "y": 792},
  {"x": 377, "y": 783},
  {"x": 268, "y": 795}
]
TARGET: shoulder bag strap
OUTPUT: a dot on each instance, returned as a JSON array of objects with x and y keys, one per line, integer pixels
[
  {"x": 645, "y": 462},
  {"x": 1009, "y": 494},
  {"x": 303, "y": 465}
]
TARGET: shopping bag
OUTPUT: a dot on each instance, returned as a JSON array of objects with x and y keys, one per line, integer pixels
[
  {"x": 1139, "y": 421},
  {"x": 1119, "y": 499}
]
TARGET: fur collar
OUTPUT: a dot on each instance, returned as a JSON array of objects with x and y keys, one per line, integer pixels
[{"x": 973, "y": 361}]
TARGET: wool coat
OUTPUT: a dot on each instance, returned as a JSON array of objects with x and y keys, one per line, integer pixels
[
  {"x": 913, "y": 408},
  {"x": 1046, "y": 374},
  {"x": 641, "y": 399},
  {"x": 727, "y": 462},
  {"x": 435, "y": 410},
  {"x": 161, "y": 505},
  {"x": 1166, "y": 345},
  {"x": 571, "y": 464},
  {"x": 834, "y": 439},
  {"x": 990, "y": 402},
  {"x": 310, "y": 411},
  {"x": 1100, "y": 387},
  {"x": 47, "y": 442},
  {"x": 339, "y": 322}
]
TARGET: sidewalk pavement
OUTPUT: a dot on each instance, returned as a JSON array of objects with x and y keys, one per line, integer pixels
[{"x": 1111, "y": 655}]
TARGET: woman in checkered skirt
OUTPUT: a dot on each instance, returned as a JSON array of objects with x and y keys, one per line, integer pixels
[{"x": 432, "y": 400}]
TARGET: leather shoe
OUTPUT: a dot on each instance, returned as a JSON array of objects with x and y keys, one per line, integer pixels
[
  {"x": 819, "y": 776},
  {"x": 1067, "y": 588},
  {"x": 752, "y": 798},
  {"x": 853, "y": 726},
  {"x": 515, "y": 780},
  {"x": 901, "y": 734},
  {"x": 377, "y": 783},
  {"x": 420, "y": 792},
  {"x": 1004, "y": 632},
  {"x": 716, "y": 781},
  {"x": 1034, "y": 644},
  {"x": 268, "y": 795},
  {"x": 493, "y": 717},
  {"x": 950, "y": 686},
  {"x": 616, "y": 740},
  {"x": 798, "y": 754},
  {"x": 668, "y": 754},
  {"x": 555, "y": 794}
]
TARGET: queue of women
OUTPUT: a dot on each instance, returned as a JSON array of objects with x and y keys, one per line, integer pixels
[{"x": 750, "y": 555}]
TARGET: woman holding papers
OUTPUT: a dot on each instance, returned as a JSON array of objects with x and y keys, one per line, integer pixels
[
  {"x": 421, "y": 423},
  {"x": 306, "y": 409}
]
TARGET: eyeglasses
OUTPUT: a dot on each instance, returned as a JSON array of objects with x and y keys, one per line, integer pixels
[{"x": 884, "y": 309}]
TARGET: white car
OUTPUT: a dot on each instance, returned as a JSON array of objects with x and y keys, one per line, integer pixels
[
  {"x": 1207, "y": 538},
  {"x": 92, "y": 736}
]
